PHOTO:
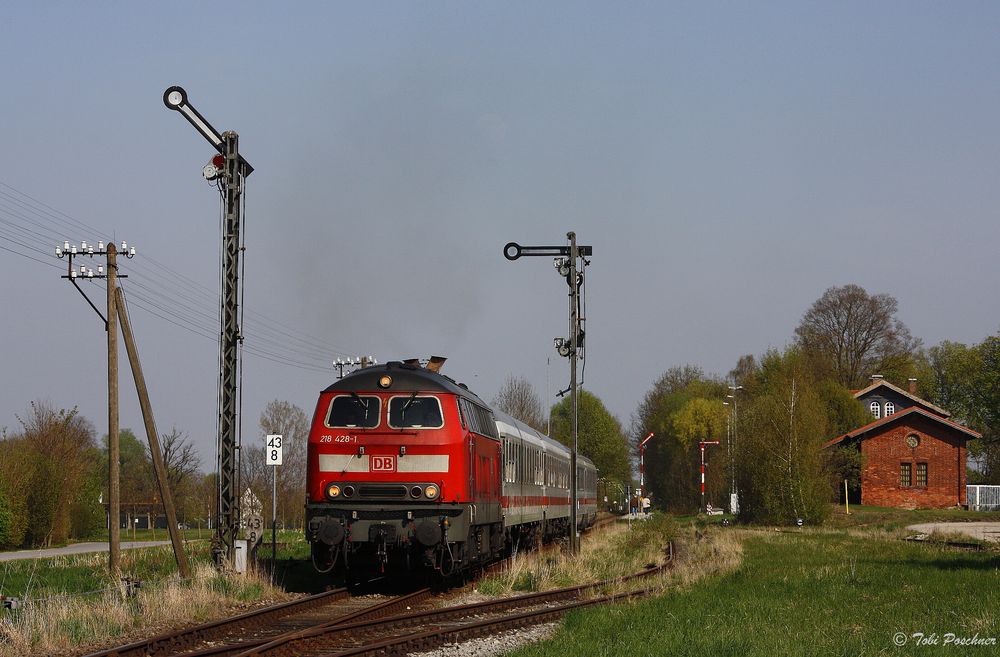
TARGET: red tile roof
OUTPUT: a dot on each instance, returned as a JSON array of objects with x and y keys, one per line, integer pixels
[{"x": 897, "y": 416}]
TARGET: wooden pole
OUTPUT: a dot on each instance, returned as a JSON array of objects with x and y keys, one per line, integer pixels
[
  {"x": 154, "y": 442},
  {"x": 114, "y": 490}
]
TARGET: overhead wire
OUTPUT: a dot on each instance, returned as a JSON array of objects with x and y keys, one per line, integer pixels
[{"x": 164, "y": 293}]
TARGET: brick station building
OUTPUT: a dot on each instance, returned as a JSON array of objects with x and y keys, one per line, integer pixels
[{"x": 913, "y": 455}]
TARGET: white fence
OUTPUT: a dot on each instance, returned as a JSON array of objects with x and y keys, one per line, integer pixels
[{"x": 983, "y": 498}]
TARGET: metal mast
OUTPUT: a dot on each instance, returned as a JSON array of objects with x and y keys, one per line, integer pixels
[
  {"x": 230, "y": 177},
  {"x": 566, "y": 264}
]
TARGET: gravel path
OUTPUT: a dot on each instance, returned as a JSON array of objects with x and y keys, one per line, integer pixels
[
  {"x": 984, "y": 531},
  {"x": 76, "y": 548},
  {"x": 493, "y": 646}
]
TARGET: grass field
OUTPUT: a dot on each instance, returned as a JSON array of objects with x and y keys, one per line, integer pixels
[
  {"x": 806, "y": 592},
  {"x": 71, "y": 601}
]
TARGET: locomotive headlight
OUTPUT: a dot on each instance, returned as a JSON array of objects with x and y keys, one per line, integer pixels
[
  {"x": 431, "y": 492},
  {"x": 385, "y": 381},
  {"x": 333, "y": 490}
]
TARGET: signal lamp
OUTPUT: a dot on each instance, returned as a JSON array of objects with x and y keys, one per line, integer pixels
[
  {"x": 415, "y": 492},
  {"x": 431, "y": 492},
  {"x": 333, "y": 490},
  {"x": 385, "y": 381},
  {"x": 348, "y": 491}
]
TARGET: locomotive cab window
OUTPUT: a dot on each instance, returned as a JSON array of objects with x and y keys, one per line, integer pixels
[
  {"x": 415, "y": 412},
  {"x": 353, "y": 411}
]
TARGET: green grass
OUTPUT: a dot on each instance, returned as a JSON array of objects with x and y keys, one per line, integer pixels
[
  {"x": 85, "y": 573},
  {"x": 803, "y": 592}
]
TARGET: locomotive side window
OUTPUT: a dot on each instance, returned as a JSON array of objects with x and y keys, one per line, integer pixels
[
  {"x": 480, "y": 420},
  {"x": 415, "y": 412},
  {"x": 354, "y": 411}
]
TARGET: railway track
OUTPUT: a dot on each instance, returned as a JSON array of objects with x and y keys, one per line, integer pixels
[
  {"x": 259, "y": 626},
  {"x": 315, "y": 625},
  {"x": 427, "y": 629}
]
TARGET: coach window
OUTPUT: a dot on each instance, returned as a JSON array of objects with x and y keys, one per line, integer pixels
[
  {"x": 415, "y": 412},
  {"x": 350, "y": 411}
]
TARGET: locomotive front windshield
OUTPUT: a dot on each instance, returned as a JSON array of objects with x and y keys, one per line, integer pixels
[
  {"x": 415, "y": 412},
  {"x": 354, "y": 411}
]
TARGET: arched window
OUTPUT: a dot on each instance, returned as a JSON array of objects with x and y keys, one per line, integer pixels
[
  {"x": 876, "y": 409},
  {"x": 890, "y": 408}
]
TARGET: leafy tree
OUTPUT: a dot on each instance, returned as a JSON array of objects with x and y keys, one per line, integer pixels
[
  {"x": 57, "y": 458},
  {"x": 966, "y": 381},
  {"x": 700, "y": 419},
  {"x": 136, "y": 483},
  {"x": 853, "y": 335},
  {"x": 599, "y": 435},
  {"x": 783, "y": 425},
  {"x": 672, "y": 457},
  {"x": 517, "y": 398},
  {"x": 6, "y": 522}
]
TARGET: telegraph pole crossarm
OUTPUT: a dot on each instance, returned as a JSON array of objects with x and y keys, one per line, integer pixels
[
  {"x": 569, "y": 262},
  {"x": 70, "y": 252}
]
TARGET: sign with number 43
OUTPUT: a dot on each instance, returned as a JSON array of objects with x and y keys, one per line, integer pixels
[{"x": 272, "y": 451}]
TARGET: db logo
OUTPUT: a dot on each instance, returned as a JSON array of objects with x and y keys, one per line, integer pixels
[{"x": 383, "y": 463}]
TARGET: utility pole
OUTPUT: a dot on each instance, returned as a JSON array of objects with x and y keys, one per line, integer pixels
[
  {"x": 159, "y": 467},
  {"x": 229, "y": 170},
  {"x": 114, "y": 452},
  {"x": 734, "y": 496},
  {"x": 70, "y": 252},
  {"x": 566, "y": 263}
]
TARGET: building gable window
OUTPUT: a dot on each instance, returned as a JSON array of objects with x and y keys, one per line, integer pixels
[
  {"x": 890, "y": 408},
  {"x": 905, "y": 475},
  {"x": 876, "y": 409},
  {"x": 922, "y": 475}
]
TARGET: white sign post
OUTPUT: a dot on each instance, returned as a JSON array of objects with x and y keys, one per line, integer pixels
[{"x": 272, "y": 457}]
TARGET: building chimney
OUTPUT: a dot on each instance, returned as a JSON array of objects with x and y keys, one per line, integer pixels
[
  {"x": 877, "y": 378},
  {"x": 913, "y": 385}
]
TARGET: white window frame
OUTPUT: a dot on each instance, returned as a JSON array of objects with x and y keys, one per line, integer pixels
[
  {"x": 388, "y": 411},
  {"x": 876, "y": 409}
]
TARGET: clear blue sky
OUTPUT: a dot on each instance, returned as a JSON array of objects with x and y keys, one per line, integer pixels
[{"x": 728, "y": 162}]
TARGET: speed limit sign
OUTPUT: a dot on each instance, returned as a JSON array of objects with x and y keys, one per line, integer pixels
[{"x": 272, "y": 450}]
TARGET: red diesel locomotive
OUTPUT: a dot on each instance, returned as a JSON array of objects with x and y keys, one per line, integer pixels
[{"x": 408, "y": 468}]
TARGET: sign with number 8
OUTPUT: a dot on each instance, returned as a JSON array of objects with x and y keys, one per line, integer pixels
[{"x": 272, "y": 450}]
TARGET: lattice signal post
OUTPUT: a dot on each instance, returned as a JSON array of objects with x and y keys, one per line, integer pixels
[
  {"x": 569, "y": 262},
  {"x": 229, "y": 169}
]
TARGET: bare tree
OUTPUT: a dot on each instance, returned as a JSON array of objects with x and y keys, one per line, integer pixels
[
  {"x": 517, "y": 397},
  {"x": 854, "y": 334},
  {"x": 182, "y": 463},
  {"x": 291, "y": 422}
]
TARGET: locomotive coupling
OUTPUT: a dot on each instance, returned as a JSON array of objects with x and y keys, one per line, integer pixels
[{"x": 326, "y": 529}]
